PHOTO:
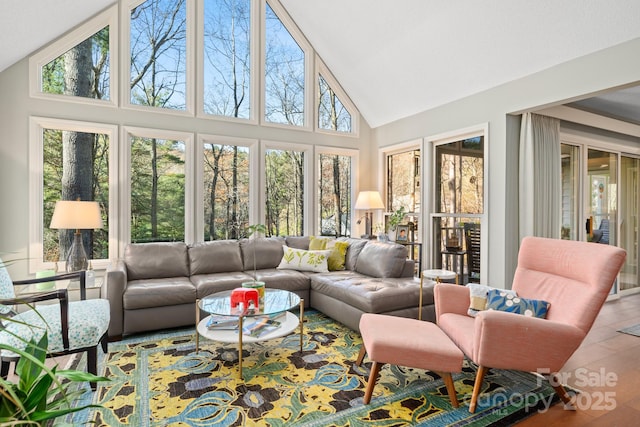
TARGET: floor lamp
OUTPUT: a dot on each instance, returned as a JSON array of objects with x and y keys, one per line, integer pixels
[
  {"x": 368, "y": 200},
  {"x": 74, "y": 214}
]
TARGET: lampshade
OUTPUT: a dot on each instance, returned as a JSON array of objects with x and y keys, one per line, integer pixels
[
  {"x": 369, "y": 200},
  {"x": 74, "y": 214}
]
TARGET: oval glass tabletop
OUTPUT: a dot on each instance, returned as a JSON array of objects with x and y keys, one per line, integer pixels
[{"x": 275, "y": 301}]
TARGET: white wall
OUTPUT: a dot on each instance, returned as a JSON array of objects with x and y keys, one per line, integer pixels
[{"x": 580, "y": 78}]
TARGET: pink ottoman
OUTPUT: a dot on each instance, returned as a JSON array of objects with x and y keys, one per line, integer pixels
[{"x": 408, "y": 342}]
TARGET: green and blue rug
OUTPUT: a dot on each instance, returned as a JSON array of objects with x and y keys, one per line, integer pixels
[{"x": 160, "y": 380}]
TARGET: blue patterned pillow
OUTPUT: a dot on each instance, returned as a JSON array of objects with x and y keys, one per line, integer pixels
[{"x": 498, "y": 299}]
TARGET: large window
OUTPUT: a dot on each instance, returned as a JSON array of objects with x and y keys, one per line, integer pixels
[
  {"x": 285, "y": 192},
  {"x": 245, "y": 59},
  {"x": 227, "y": 58},
  {"x": 284, "y": 74},
  {"x": 335, "y": 191},
  {"x": 157, "y": 189},
  {"x": 403, "y": 181},
  {"x": 76, "y": 161},
  {"x": 226, "y": 180},
  {"x": 158, "y": 52}
]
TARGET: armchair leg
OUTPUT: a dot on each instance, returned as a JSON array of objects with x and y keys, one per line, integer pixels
[
  {"x": 373, "y": 378},
  {"x": 560, "y": 390},
  {"x": 104, "y": 341},
  {"x": 4, "y": 369},
  {"x": 360, "y": 358},
  {"x": 92, "y": 364},
  {"x": 477, "y": 386}
]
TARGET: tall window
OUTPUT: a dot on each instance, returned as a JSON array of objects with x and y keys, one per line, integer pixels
[
  {"x": 332, "y": 114},
  {"x": 158, "y": 46},
  {"x": 81, "y": 71},
  {"x": 226, "y": 191},
  {"x": 75, "y": 167},
  {"x": 227, "y": 58},
  {"x": 284, "y": 74},
  {"x": 460, "y": 176},
  {"x": 403, "y": 181},
  {"x": 284, "y": 175},
  {"x": 157, "y": 190},
  {"x": 334, "y": 194}
]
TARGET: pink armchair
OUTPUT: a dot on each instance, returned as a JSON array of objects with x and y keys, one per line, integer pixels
[{"x": 574, "y": 277}]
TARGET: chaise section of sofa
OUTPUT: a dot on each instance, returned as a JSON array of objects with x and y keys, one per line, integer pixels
[{"x": 155, "y": 286}]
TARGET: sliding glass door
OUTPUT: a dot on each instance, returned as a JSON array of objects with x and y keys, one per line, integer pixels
[{"x": 601, "y": 202}]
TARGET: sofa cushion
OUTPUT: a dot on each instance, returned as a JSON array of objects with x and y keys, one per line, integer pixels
[
  {"x": 298, "y": 242},
  {"x": 369, "y": 294},
  {"x": 302, "y": 260},
  {"x": 378, "y": 259},
  {"x": 355, "y": 247},
  {"x": 218, "y": 256},
  {"x": 268, "y": 252},
  {"x": 318, "y": 243},
  {"x": 207, "y": 284},
  {"x": 338, "y": 255},
  {"x": 156, "y": 260},
  {"x": 158, "y": 293}
]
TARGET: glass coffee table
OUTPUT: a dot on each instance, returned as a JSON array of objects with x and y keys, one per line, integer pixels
[{"x": 277, "y": 303}]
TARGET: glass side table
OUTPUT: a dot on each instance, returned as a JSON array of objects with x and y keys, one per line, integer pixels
[{"x": 276, "y": 301}]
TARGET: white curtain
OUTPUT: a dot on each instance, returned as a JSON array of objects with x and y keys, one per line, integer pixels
[{"x": 540, "y": 180}]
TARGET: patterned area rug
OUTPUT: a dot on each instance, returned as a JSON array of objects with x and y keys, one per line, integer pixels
[
  {"x": 631, "y": 330},
  {"x": 161, "y": 381}
]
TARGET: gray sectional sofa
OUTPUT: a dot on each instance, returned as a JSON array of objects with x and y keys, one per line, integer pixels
[{"x": 155, "y": 285}]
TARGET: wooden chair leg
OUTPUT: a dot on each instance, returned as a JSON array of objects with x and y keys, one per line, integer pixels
[
  {"x": 451, "y": 389},
  {"x": 92, "y": 364},
  {"x": 482, "y": 370},
  {"x": 360, "y": 358},
  {"x": 373, "y": 378},
  {"x": 560, "y": 390}
]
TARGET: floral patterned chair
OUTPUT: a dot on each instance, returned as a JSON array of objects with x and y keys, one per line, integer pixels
[{"x": 72, "y": 327}]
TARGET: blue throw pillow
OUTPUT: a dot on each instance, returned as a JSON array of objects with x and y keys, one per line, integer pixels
[{"x": 498, "y": 299}]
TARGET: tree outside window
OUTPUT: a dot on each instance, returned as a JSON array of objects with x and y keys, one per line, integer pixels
[
  {"x": 334, "y": 194},
  {"x": 284, "y": 192}
]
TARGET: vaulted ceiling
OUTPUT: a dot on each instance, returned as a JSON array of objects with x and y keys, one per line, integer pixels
[{"x": 397, "y": 58}]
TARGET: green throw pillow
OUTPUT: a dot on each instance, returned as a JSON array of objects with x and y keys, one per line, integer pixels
[
  {"x": 318, "y": 243},
  {"x": 301, "y": 260},
  {"x": 503, "y": 301},
  {"x": 338, "y": 255}
]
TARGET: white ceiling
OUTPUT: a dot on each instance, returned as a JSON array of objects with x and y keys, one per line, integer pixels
[{"x": 397, "y": 58}]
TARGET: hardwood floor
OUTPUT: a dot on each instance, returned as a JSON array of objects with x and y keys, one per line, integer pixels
[{"x": 606, "y": 368}]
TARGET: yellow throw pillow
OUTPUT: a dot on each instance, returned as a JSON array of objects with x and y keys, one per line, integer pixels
[
  {"x": 338, "y": 255},
  {"x": 318, "y": 243}
]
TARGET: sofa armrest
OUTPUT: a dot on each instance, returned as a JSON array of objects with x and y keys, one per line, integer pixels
[
  {"x": 450, "y": 298},
  {"x": 512, "y": 341},
  {"x": 113, "y": 290}
]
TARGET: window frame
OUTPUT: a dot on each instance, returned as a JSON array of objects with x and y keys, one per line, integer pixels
[
  {"x": 190, "y": 66},
  {"x": 47, "y": 54},
  {"x": 37, "y": 125},
  {"x": 322, "y": 69},
  {"x": 309, "y": 170},
  {"x": 256, "y": 68},
  {"x": 254, "y": 177},
  {"x": 300, "y": 39},
  {"x": 125, "y": 176},
  {"x": 354, "y": 154}
]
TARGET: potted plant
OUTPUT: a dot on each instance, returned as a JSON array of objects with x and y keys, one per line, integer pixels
[
  {"x": 40, "y": 394},
  {"x": 254, "y": 231},
  {"x": 394, "y": 220}
]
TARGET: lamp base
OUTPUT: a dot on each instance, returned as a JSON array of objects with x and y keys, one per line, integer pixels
[{"x": 77, "y": 257}]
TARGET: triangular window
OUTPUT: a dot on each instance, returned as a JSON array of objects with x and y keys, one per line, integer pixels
[{"x": 332, "y": 114}]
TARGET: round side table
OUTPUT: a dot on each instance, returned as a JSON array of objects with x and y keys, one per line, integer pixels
[{"x": 437, "y": 275}]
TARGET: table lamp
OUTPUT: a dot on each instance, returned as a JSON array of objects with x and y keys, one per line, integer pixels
[
  {"x": 368, "y": 200},
  {"x": 78, "y": 215}
]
